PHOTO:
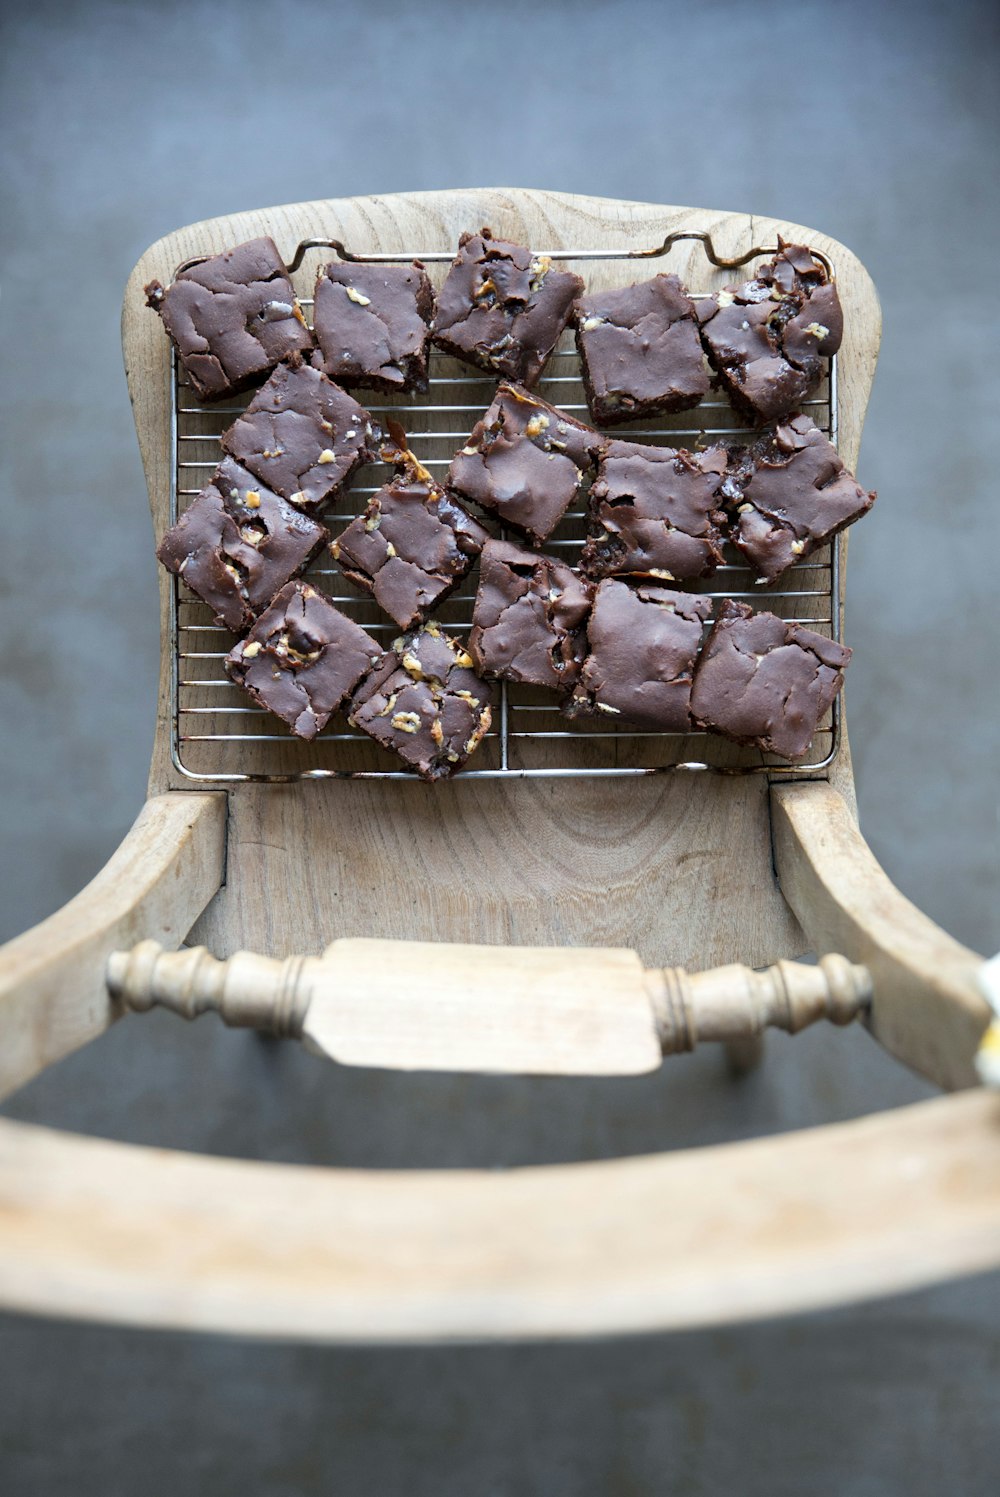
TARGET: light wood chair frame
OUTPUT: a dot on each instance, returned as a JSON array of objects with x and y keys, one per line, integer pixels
[{"x": 702, "y": 869}]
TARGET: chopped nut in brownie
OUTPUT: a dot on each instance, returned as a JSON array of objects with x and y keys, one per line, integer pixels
[
  {"x": 232, "y": 317},
  {"x": 301, "y": 658},
  {"x": 372, "y": 324},
  {"x": 424, "y": 700},
  {"x": 303, "y": 435},
  {"x": 642, "y": 646},
  {"x": 502, "y": 307},
  {"x": 640, "y": 350},
  {"x": 238, "y": 543},
  {"x": 792, "y": 494},
  {"x": 767, "y": 338},
  {"x": 525, "y": 462},
  {"x": 529, "y": 616},
  {"x": 766, "y": 681},
  {"x": 656, "y": 511}
]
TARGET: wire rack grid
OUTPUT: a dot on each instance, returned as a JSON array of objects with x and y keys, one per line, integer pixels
[{"x": 219, "y": 736}]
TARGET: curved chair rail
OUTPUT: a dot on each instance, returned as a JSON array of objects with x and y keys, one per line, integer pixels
[{"x": 700, "y": 1237}]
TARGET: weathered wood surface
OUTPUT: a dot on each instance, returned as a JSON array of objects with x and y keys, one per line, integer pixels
[
  {"x": 928, "y": 1009},
  {"x": 104, "y": 1231},
  {"x": 53, "y": 995}
]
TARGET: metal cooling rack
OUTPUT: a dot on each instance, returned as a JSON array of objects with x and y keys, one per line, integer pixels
[{"x": 219, "y": 736}]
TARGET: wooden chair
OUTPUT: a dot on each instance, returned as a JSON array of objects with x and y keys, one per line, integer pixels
[{"x": 670, "y": 870}]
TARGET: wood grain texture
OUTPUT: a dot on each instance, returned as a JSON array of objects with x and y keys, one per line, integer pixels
[
  {"x": 53, "y": 996},
  {"x": 928, "y": 1008},
  {"x": 105, "y": 1231},
  {"x": 530, "y": 862}
]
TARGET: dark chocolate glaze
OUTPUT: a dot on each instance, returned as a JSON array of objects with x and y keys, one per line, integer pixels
[
  {"x": 424, "y": 701},
  {"x": 232, "y": 318},
  {"x": 767, "y": 338},
  {"x": 412, "y": 545},
  {"x": 527, "y": 623},
  {"x": 303, "y": 435},
  {"x": 640, "y": 350},
  {"x": 302, "y": 658},
  {"x": 643, "y": 642},
  {"x": 791, "y": 494},
  {"x": 766, "y": 681},
  {"x": 372, "y": 325},
  {"x": 656, "y": 511},
  {"x": 238, "y": 543},
  {"x": 503, "y": 308},
  {"x": 525, "y": 462}
]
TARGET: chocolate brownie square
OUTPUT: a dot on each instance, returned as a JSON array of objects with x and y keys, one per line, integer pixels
[
  {"x": 302, "y": 435},
  {"x": 792, "y": 494},
  {"x": 767, "y": 338},
  {"x": 529, "y": 616},
  {"x": 656, "y": 511},
  {"x": 232, "y": 317},
  {"x": 502, "y": 307},
  {"x": 640, "y": 351},
  {"x": 525, "y": 462},
  {"x": 301, "y": 658},
  {"x": 413, "y": 544},
  {"x": 642, "y": 646},
  {"x": 424, "y": 700},
  {"x": 238, "y": 544},
  {"x": 766, "y": 681},
  {"x": 372, "y": 323}
]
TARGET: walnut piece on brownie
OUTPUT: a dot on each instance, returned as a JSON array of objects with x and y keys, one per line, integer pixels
[
  {"x": 238, "y": 543},
  {"x": 525, "y": 462},
  {"x": 372, "y": 324},
  {"x": 424, "y": 700},
  {"x": 413, "y": 544},
  {"x": 640, "y": 351},
  {"x": 302, "y": 658},
  {"x": 302, "y": 435},
  {"x": 656, "y": 511},
  {"x": 502, "y": 307},
  {"x": 528, "y": 619},
  {"x": 791, "y": 494},
  {"x": 231, "y": 318},
  {"x": 764, "y": 681},
  {"x": 642, "y": 645},
  {"x": 767, "y": 339}
]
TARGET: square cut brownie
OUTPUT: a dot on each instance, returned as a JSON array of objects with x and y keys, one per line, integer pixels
[
  {"x": 525, "y": 462},
  {"x": 656, "y": 511},
  {"x": 372, "y": 323},
  {"x": 232, "y": 317},
  {"x": 412, "y": 545},
  {"x": 792, "y": 494},
  {"x": 502, "y": 307},
  {"x": 529, "y": 616},
  {"x": 302, "y": 658},
  {"x": 765, "y": 681},
  {"x": 424, "y": 700},
  {"x": 767, "y": 338},
  {"x": 238, "y": 544},
  {"x": 302, "y": 435},
  {"x": 642, "y": 646},
  {"x": 640, "y": 350}
]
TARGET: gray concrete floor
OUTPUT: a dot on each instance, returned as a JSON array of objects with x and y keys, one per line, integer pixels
[{"x": 878, "y": 125}]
